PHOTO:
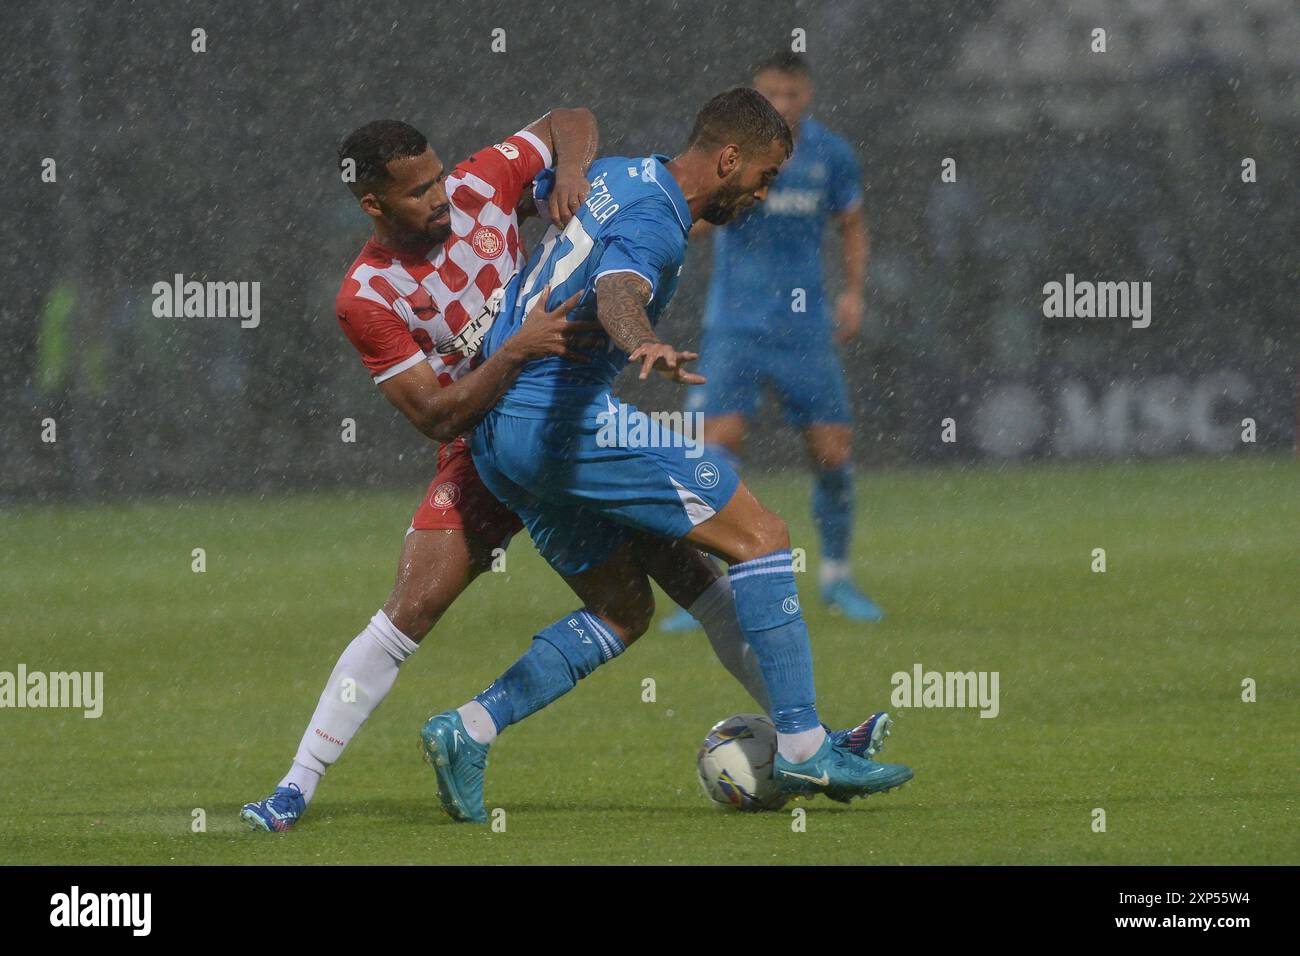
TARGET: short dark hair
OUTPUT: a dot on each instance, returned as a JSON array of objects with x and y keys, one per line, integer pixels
[
  {"x": 742, "y": 116},
  {"x": 784, "y": 61},
  {"x": 373, "y": 146}
]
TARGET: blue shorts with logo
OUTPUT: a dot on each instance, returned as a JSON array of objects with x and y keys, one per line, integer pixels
[
  {"x": 582, "y": 484},
  {"x": 807, "y": 379}
]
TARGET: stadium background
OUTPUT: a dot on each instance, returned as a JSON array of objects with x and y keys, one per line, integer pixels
[
  {"x": 198, "y": 533},
  {"x": 219, "y": 165}
]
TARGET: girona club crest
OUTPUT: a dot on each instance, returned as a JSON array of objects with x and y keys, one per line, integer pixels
[
  {"x": 487, "y": 242},
  {"x": 445, "y": 495}
]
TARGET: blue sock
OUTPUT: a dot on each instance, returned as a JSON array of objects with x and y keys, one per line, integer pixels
[
  {"x": 562, "y": 654},
  {"x": 767, "y": 605},
  {"x": 833, "y": 510}
]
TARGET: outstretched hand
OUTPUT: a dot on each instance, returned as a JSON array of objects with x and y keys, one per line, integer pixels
[{"x": 667, "y": 361}]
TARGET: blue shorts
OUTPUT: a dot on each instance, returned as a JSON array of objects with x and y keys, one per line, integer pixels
[
  {"x": 581, "y": 486},
  {"x": 809, "y": 381}
]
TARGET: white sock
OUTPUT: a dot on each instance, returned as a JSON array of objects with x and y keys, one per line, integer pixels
[
  {"x": 478, "y": 722},
  {"x": 797, "y": 748},
  {"x": 305, "y": 778},
  {"x": 715, "y": 609},
  {"x": 363, "y": 676},
  {"x": 831, "y": 572}
]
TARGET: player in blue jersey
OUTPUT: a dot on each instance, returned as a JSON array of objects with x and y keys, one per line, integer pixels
[
  {"x": 768, "y": 322},
  {"x": 588, "y": 475}
]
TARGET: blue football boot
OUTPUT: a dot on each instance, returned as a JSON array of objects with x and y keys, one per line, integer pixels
[
  {"x": 458, "y": 761},
  {"x": 278, "y": 812},
  {"x": 843, "y": 597}
]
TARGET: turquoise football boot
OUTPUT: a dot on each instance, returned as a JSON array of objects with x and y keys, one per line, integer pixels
[
  {"x": 843, "y": 597},
  {"x": 837, "y": 773},
  {"x": 458, "y": 761}
]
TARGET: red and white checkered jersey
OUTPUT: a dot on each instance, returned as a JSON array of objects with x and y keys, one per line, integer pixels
[{"x": 400, "y": 309}]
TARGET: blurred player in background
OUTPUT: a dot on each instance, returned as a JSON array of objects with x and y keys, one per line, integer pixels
[{"x": 768, "y": 323}]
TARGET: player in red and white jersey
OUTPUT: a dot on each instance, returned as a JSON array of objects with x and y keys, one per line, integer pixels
[
  {"x": 428, "y": 283},
  {"x": 445, "y": 292},
  {"x": 416, "y": 304}
]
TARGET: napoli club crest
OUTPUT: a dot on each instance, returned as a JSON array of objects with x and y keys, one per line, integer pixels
[
  {"x": 707, "y": 475},
  {"x": 445, "y": 495},
  {"x": 487, "y": 242}
]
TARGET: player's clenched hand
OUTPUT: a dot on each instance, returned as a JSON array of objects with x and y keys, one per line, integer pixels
[
  {"x": 667, "y": 361},
  {"x": 568, "y": 193},
  {"x": 545, "y": 333}
]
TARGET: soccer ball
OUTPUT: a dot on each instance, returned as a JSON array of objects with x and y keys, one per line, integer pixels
[{"x": 735, "y": 764}]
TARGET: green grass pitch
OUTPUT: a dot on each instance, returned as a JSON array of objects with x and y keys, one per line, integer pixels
[{"x": 1120, "y": 691}]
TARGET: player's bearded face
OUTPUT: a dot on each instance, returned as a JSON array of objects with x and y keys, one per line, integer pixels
[
  {"x": 415, "y": 203},
  {"x": 744, "y": 187},
  {"x": 420, "y": 225},
  {"x": 730, "y": 201}
]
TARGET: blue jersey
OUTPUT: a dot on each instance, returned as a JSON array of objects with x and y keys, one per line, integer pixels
[
  {"x": 764, "y": 256},
  {"x": 636, "y": 220}
]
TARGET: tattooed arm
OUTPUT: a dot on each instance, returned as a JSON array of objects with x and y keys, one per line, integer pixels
[{"x": 621, "y": 298}]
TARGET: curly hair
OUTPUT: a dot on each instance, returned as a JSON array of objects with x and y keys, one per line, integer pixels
[{"x": 373, "y": 146}]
